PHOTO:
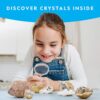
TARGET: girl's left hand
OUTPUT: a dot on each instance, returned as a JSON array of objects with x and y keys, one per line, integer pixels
[{"x": 49, "y": 82}]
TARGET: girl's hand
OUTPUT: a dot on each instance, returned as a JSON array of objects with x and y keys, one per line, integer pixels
[
  {"x": 54, "y": 84},
  {"x": 35, "y": 78},
  {"x": 38, "y": 80}
]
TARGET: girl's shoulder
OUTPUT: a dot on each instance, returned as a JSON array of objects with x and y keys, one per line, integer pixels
[
  {"x": 70, "y": 51},
  {"x": 70, "y": 48}
]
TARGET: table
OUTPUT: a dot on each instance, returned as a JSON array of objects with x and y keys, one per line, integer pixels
[{"x": 5, "y": 96}]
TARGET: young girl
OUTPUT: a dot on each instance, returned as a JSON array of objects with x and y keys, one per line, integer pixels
[{"x": 49, "y": 44}]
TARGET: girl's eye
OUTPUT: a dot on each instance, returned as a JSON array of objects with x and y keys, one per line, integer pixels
[
  {"x": 39, "y": 44},
  {"x": 53, "y": 45}
]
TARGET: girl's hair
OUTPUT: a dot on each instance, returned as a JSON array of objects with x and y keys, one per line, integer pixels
[{"x": 52, "y": 21}]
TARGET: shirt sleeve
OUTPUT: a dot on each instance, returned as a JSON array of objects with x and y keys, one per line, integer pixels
[
  {"x": 26, "y": 67},
  {"x": 77, "y": 73}
]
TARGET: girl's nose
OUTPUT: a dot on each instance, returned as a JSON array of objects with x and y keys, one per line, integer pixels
[{"x": 46, "y": 50}]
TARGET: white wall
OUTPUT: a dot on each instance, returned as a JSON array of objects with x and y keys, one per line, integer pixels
[
  {"x": 90, "y": 50},
  {"x": 8, "y": 37},
  {"x": 72, "y": 31},
  {"x": 15, "y": 40}
]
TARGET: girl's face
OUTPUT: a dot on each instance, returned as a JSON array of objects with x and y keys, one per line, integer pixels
[{"x": 48, "y": 43}]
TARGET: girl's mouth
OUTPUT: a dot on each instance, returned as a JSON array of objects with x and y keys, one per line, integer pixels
[{"x": 46, "y": 57}]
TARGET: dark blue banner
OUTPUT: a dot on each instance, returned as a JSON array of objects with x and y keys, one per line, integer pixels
[{"x": 68, "y": 10}]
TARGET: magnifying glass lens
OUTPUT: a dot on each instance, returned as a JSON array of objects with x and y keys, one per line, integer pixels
[{"x": 41, "y": 69}]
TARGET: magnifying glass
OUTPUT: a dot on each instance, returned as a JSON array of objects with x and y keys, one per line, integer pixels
[{"x": 41, "y": 69}]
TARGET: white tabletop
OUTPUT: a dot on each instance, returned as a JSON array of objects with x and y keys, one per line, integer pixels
[{"x": 5, "y": 96}]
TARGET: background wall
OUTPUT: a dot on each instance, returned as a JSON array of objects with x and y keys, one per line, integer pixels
[
  {"x": 90, "y": 50},
  {"x": 84, "y": 35}
]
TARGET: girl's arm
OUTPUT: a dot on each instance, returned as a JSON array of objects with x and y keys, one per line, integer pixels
[{"x": 75, "y": 67}]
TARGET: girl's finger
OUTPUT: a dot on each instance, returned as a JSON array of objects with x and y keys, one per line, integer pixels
[
  {"x": 30, "y": 78},
  {"x": 35, "y": 78}
]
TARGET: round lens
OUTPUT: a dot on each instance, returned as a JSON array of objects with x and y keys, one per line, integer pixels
[{"x": 41, "y": 69}]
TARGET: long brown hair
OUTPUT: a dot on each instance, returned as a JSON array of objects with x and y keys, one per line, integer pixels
[{"x": 52, "y": 21}]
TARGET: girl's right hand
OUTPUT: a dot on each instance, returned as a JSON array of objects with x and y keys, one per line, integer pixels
[
  {"x": 35, "y": 83},
  {"x": 35, "y": 78}
]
